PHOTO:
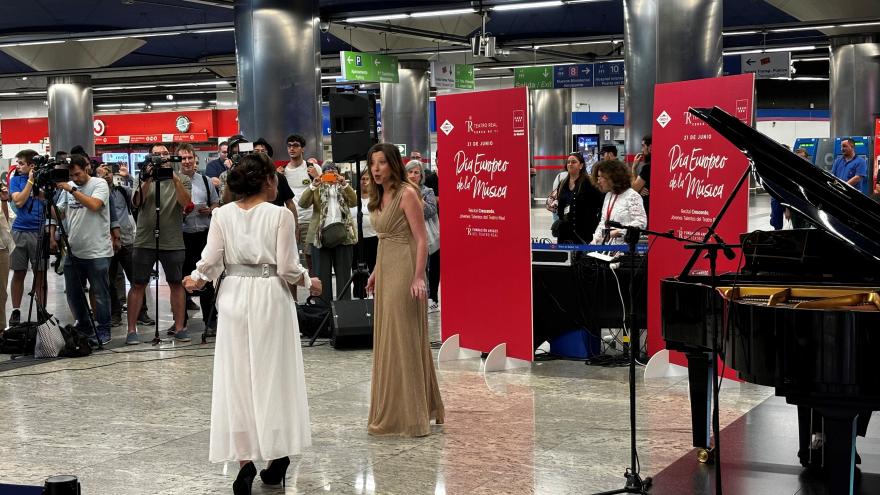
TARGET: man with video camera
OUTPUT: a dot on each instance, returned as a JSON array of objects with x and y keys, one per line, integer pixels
[
  {"x": 28, "y": 231},
  {"x": 83, "y": 207},
  {"x": 174, "y": 196}
]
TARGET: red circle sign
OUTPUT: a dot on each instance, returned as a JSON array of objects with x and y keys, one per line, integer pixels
[{"x": 99, "y": 127}]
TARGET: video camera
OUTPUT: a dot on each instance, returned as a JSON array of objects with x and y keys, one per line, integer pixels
[
  {"x": 244, "y": 149},
  {"x": 45, "y": 172},
  {"x": 152, "y": 167}
]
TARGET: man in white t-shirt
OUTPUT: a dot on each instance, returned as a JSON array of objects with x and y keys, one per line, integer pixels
[
  {"x": 84, "y": 207},
  {"x": 299, "y": 175}
]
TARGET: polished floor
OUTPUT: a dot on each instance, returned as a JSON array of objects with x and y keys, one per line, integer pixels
[{"x": 135, "y": 420}]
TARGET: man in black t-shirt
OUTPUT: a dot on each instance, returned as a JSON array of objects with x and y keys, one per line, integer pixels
[{"x": 642, "y": 181}]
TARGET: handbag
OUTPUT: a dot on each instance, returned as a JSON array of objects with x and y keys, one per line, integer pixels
[
  {"x": 433, "y": 226},
  {"x": 49, "y": 341},
  {"x": 552, "y": 201},
  {"x": 333, "y": 235}
]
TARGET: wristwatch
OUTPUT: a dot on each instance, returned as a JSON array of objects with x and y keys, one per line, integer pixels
[{"x": 73, "y": 189}]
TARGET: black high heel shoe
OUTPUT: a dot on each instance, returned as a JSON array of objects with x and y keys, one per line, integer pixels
[
  {"x": 245, "y": 479},
  {"x": 274, "y": 474}
]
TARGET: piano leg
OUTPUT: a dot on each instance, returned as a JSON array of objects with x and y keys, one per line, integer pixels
[
  {"x": 700, "y": 387},
  {"x": 809, "y": 423},
  {"x": 840, "y": 449}
]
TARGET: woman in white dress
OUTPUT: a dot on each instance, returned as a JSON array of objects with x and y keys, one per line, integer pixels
[
  {"x": 622, "y": 203},
  {"x": 259, "y": 408}
]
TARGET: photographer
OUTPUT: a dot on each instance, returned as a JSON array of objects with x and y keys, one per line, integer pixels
[
  {"x": 86, "y": 216},
  {"x": 174, "y": 196},
  {"x": 332, "y": 230},
  {"x": 27, "y": 233}
]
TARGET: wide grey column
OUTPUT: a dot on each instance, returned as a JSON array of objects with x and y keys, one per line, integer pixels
[
  {"x": 405, "y": 107},
  {"x": 855, "y": 85},
  {"x": 640, "y": 62},
  {"x": 688, "y": 39},
  {"x": 550, "y": 122},
  {"x": 278, "y": 52},
  {"x": 71, "y": 116}
]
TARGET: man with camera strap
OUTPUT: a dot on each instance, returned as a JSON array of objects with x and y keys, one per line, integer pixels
[{"x": 28, "y": 230}]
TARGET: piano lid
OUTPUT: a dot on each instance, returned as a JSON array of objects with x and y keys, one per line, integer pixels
[{"x": 827, "y": 202}]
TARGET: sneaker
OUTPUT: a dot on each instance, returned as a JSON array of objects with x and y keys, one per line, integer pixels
[
  {"x": 145, "y": 319},
  {"x": 210, "y": 332},
  {"x": 191, "y": 305},
  {"x": 105, "y": 339},
  {"x": 15, "y": 318},
  {"x": 132, "y": 339},
  {"x": 182, "y": 336},
  {"x": 170, "y": 331},
  {"x": 115, "y": 320},
  {"x": 433, "y": 307}
]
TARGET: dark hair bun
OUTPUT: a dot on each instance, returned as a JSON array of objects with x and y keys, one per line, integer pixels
[{"x": 247, "y": 178}]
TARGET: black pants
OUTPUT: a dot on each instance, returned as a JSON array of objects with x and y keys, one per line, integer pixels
[
  {"x": 434, "y": 276},
  {"x": 334, "y": 260},
  {"x": 194, "y": 243},
  {"x": 369, "y": 247},
  {"x": 122, "y": 259}
]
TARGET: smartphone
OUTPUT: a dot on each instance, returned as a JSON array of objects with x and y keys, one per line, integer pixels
[{"x": 117, "y": 180}]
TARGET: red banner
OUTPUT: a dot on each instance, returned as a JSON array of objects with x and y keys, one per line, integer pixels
[
  {"x": 483, "y": 158},
  {"x": 193, "y": 137},
  {"x": 693, "y": 172}
]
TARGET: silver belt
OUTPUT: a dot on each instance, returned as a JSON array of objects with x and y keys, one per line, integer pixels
[{"x": 263, "y": 270}]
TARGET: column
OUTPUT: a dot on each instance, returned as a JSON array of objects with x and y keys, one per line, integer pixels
[
  {"x": 550, "y": 122},
  {"x": 689, "y": 39},
  {"x": 71, "y": 114},
  {"x": 640, "y": 62},
  {"x": 405, "y": 107},
  {"x": 855, "y": 85},
  {"x": 278, "y": 53}
]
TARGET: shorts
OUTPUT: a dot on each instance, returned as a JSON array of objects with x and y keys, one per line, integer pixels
[
  {"x": 27, "y": 250},
  {"x": 303, "y": 233},
  {"x": 143, "y": 260}
]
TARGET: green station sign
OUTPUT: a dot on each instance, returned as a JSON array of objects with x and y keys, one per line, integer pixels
[
  {"x": 540, "y": 77},
  {"x": 368, "y": 67}
]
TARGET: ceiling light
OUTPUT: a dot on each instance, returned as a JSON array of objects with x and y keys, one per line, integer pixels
[
  {"x": 809, "y": 78},
  {"x": 145, "y": 86},
  {"x": 108, "y": 88},
  {"x": 443, "y": 12},
  {"x": 386, "y": 17},
  {"x": 190, "y": 102},
  {"x": 802, "y": 28},
  {"x": 331, "y": 78},
  {"x": 108, "y": 105},
  {"x": 34, "y": 93},
  {"x": 102, "y": 39},
  {"x": 769, "y": 50},
  {"x": 163, "y": 103},
  {"x": 152, "y": 35},
  {"x": 134, "y": 104},
  {"x": 527, "y": 5},
  {"x": 570, "y": 2},
  {"x": 860, "y": 24},
  {"x": 739, "y": 33},
  {"x": 24, "y": 78},
  {"x": 203, "y": 83},
  {"x": 812, "y": 59},
  {"x": 48, "y": 42},
  {"x": 12, "y": 93},
  {"x": 214, "y": 30}
]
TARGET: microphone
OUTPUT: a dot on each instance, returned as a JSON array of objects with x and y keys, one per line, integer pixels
[{"x": 728, "y": 253}]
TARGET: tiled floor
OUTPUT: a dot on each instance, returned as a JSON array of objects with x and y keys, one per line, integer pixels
[{"x": 136, "y": 421}]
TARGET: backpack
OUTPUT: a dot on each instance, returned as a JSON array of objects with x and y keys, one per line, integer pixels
[
  {"x": 75, "y": 343},
  {"x": 20, "y": 339},
  {"x": 311, "y": 315}
]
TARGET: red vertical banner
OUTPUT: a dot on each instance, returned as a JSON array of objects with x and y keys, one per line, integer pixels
[
  {"x": 693, "y": 172},
  {"x": 486, "y": 270}
]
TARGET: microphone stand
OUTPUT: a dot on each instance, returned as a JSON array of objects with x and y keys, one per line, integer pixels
[{"x": 634, "y": 482}]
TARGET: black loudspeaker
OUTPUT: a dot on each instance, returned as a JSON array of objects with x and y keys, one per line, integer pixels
[
  {"x": 352, "y": 323},
  {"x": 352, "y": 126}
]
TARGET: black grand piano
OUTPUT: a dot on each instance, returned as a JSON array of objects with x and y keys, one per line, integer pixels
[{"x": 802, "y": 315}]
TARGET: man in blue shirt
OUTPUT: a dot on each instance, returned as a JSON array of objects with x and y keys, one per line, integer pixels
[
  {"x": 27, "y": 233},
  {"x": 850, "y": 168},
  {"x": 217, "y": 166}
]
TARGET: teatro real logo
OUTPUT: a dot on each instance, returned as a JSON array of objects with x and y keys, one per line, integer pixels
[
  {"x": 663, "y": 119},
  {"x": 446, "y": 127}
]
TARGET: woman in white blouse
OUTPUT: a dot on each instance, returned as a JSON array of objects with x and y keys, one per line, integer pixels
[{"x": 622, "y": 204}]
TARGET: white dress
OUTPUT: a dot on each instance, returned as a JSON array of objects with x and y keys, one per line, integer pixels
[{"x": 259, "y": 408}]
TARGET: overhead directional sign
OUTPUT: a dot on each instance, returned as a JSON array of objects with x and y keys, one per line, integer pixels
[
  {"x": 357, "y": 66},
  {"x": 767, "y": 65},
  {"x": 449, "y": 76},
  {"x": 608, "y": 74},
  {"x": 573, "y": 76},
  {"x": 569, "y": 76},
  {"x": 540, "y": 77}
]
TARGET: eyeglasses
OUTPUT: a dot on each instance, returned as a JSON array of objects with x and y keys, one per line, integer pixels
[{"x": 294, "y": 145}]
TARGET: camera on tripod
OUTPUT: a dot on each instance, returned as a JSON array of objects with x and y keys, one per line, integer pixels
[
  {"x": 46, "y": 173},
  {"x": 155, "y": 167}
]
